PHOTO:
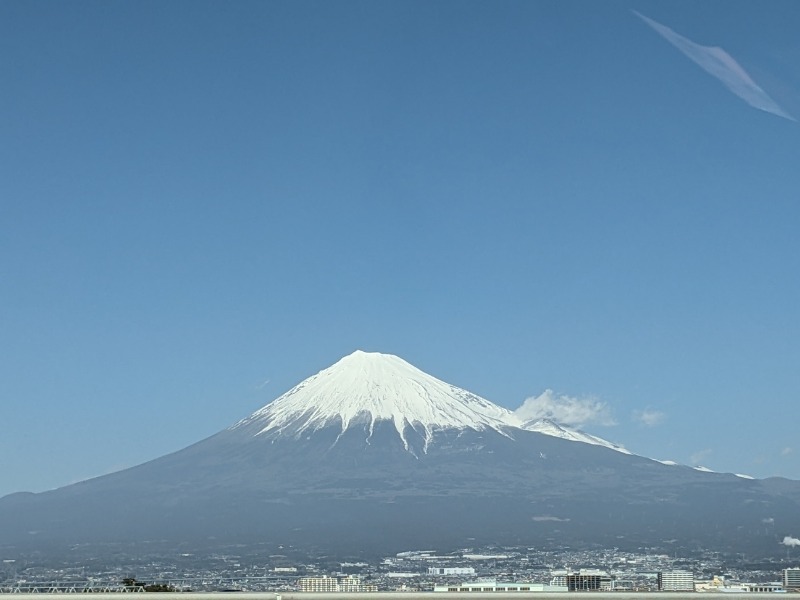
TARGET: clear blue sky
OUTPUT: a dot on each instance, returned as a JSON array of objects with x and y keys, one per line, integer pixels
[{"x": 203, "y": 203}]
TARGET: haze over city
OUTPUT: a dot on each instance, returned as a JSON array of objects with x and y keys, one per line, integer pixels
[{"x": 587, "y": 208}]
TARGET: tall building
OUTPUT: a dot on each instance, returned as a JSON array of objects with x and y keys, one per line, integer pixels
[
  {"x": 676, "y": 581},
  {"x": 791, "y": 579}
]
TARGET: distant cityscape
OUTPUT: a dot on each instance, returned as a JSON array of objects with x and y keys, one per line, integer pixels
[{"x": 488, "y": 569}]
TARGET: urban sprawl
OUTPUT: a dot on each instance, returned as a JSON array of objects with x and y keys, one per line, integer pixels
[{"x": 469, "y": 570}]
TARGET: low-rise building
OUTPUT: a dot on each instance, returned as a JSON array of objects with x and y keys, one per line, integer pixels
[
  {"x": 449, "y": 571},
  {"x": 763, "y": 587},
  {"x": 492, "y": 585}
]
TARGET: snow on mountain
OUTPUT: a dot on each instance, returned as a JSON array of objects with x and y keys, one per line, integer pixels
[
  {"x": 548, "y": 427},
  {"x": 370, "y": 387}
]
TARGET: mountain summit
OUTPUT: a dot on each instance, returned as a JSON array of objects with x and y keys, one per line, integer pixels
[
  {"x": 367, "y": 387},
  {"x": 372, "y": 455}
]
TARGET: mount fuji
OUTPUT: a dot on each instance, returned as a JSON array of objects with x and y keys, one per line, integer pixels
[{"x": 373, "y": 455}]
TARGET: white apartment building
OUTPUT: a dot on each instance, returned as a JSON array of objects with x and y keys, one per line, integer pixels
[
  {"x": 791, "y": 579},
  {"x": 350, "y": 583},
  {"x": 676, "y": 581},
  {"x": 318, "y": 584}
]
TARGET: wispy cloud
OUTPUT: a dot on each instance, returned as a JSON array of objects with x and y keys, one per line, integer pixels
[
  {"x": 649, "y": 417},
  {"x": 718, "y": 63},
  {"x": 786, "y": 451},
  {"x": 790, "y": 541},
  {"x": 566, "y": 410}
]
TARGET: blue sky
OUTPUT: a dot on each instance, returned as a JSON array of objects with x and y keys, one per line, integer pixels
[{"x": 203, "y": 203}]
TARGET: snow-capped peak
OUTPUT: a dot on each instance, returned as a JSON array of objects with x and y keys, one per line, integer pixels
[
  {"x": 548, "y": 427},
  {"x": 370, "y": 386},
  {"x": 366, "y": 387}
]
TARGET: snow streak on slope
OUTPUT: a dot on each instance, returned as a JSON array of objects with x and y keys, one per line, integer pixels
[
  {"x": 372, "y": 387},
  {"x": 367, "y": 387},
  {"x": 548, "y": 427}
]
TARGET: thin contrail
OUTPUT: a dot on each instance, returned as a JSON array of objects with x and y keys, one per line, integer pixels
[{"x": 720, "y": 64}]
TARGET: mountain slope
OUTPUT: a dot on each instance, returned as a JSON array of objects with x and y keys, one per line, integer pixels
[
  {"x": 374, "y": 455},
  {"x": 549, "y": 427}
]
